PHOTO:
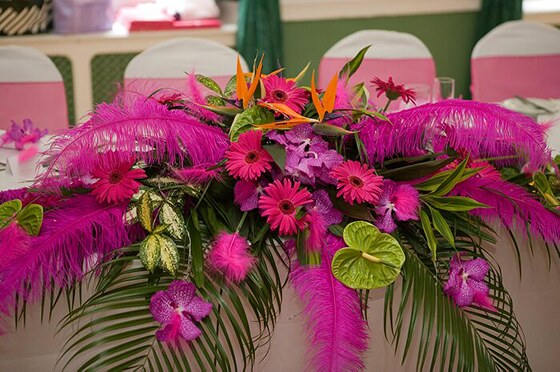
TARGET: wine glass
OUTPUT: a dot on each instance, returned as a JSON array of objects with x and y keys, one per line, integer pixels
[
  {"x": 444, "y": 88},
  {"x": 422, "y": 94}
]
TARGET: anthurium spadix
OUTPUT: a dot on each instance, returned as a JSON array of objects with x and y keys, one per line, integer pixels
[{"x": 371, "y": 260}]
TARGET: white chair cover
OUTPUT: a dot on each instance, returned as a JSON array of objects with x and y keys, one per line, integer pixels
[
  {"x": 399, "y": 55},
  {"x": 517, "y": 58},
  {"x": 31, "y": 87},
  {"x": 166, "y": 64}
]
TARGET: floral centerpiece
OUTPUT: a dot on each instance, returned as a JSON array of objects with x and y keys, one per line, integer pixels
[{"x": 192, "y": 210}]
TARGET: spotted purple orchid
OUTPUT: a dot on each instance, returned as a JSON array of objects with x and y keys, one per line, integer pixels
[
  {"x": 177, "y": 309},
  {"x": 308, "y": 156},
  {"x": 21, "y": 135},
  {"x": 466, "y": 282},
  {"x": 398, "y": 201}
]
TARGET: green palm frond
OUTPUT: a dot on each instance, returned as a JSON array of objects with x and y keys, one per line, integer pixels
[
  {"x": 114, "y": 329},
  {"x": 451, "y": 338}
]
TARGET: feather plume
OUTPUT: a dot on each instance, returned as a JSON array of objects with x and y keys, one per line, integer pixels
[
  {"x": 336, "y": 330},
  {"x": 481, "y": 129},
  {"x": 512, "y": 205},
  {"x": 230, "y": 256},
  {"x": 73, "y": 237},
  {"x": 8, "y": 195},
  {"x": 317, "y": 232},
  {"x": 196, "y": 99},
  {"x": 145, "y": 128},
  {"x": 14, "y": 242}
]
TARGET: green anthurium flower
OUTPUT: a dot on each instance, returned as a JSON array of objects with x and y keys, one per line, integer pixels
[{"x": 371, "y": 260}]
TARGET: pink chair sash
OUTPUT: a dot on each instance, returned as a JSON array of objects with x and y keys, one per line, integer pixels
[
  {"x": 42, "y": 102},
  {"x": 495, "y": 79},
  {"x": 403, "y": 71},
  {"x": 147, "y": 86}
]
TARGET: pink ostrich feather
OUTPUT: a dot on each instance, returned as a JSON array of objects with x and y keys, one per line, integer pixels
[
  {"x": 196, "y": 100},
  {"x": 144, "y": 128},
  {"x": 73, "y": 238},
  {"x": 512, "y": 205},
  {"x": 482, "y": 129},
  {"x": 336, "y": 330},
  {"x": 230, "y": 256},
  {"x": 14, "y": 242},
  {"x": 8, "y": 195}
]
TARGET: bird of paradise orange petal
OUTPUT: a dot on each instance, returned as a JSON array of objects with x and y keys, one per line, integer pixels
[
  {"x": 295, "y": 118},
  {"x": 326, "y": 105},
  {"x": 245, "y": 93}
]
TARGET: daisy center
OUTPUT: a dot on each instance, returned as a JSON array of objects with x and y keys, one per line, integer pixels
[
  {"x": 356, "y": 181},
  {"x": 286, "y": 206},
  {"x": 279, "y": 95},
  {"x": 116, "y": 177},
  {"x": 252, "y": 157}
]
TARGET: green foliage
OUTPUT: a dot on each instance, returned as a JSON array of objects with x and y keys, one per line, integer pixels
[
  {"x": 245, "y": 121},
  {"x": 371, "y": 260},
  {"x": 116, "y": 318},
  {"x": 330, "y": 130},
  {"x": 29, "y": 218},
  {"x": 447, "y": 337},
  {"x": 352, "y": 66}
]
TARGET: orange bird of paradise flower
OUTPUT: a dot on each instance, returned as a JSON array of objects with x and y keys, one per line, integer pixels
[
  {"x": 295, "y": 118},
  {"x": 326, "y": 105},
  {"x": 245, "y": 93}
]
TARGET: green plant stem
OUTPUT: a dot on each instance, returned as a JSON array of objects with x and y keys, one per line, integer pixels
[{"x": 241, "y": 222}]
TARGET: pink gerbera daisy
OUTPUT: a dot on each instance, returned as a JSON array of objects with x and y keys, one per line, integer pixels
[
  {"x": 393, "y": 91},
  {"x": 280, "y": 90},
  {"x": 246, "y": 159},
  {"x": 116, "y": 180},
  {"x": 282, "y": 203},
  {"x": 357, "y": 183}
]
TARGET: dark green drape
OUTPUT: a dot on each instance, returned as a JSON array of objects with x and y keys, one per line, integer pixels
[
  {"x": 495, "y": 12},
  {"x": 260, "y": 30}
]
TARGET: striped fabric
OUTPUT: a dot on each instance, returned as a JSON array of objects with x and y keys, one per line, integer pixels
[{"x": 20, "y": 17}]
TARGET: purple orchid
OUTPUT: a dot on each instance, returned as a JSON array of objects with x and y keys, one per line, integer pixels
[
  {"x": 246, "y": 194},
  {"x": 466, "y": 282},
  {"x": 22, "y": 135},
  {"x": 402, "y": 199},
  {"x": 308, "y": 156},
  {"x": 177, "y": 309}
]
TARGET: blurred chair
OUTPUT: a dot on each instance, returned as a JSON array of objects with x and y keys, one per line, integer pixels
[
  {"x": 165, "y": 65},
  {"x": 31, "y": 87},
  {"x": 517, "y": 58},
  {"x": 399, "y": 55}
]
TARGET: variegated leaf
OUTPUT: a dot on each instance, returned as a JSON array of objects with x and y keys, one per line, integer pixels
[
  {"x": 169, "y": 254},
  {"x": 170, "y": 216},
  {"x": 150, "y": 252}
]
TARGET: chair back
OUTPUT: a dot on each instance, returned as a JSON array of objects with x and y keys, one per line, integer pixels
[
  {"x": 166, "y": 64},
  {"x": 517, "y": 58},
  {"x": 399, "y": 55},
  {"x": 31, "y": 87}
]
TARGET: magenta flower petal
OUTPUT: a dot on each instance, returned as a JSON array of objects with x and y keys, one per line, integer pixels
[
  {"x": 188, "y": 330},
  {"x": 357, "y": 183},
  {"x": 246, "y": 195},
  {"x": 160, "y": 307},
  {"x": 246, "y": 159},
  {"x": 176, "y": 308},
  {"x": 280, "y": 205},
  {"x": 466, "y": 282},
  {"x": 280, "y": 90}
]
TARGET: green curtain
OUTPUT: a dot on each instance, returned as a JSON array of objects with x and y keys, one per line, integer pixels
[
  {"x": 495, "y": 12},
  {"x": 260, "y": 30}
]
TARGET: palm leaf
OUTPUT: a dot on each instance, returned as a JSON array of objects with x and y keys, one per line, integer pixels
[
  {"x": 114, "y": 329},
  {"x": 449, "y": 337}
]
